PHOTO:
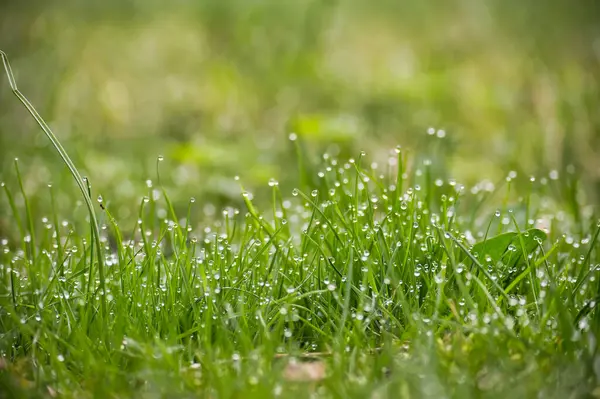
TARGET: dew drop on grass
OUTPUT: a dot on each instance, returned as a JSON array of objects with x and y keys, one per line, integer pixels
[
  {"x": 248, "y": 195},
  {"x": 160, "y": 158},
  {"x": 509, "y": 322},
  {"x": 273, "y": 183},
  {"x": 295, "y": 192},
  {"x": 314, "y": 193},
  {"x": 293, "y": 137},
  {"x": 60, "y": 358}
]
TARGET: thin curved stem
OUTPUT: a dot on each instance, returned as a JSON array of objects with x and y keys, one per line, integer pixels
[{"x": 74, "y": 172}]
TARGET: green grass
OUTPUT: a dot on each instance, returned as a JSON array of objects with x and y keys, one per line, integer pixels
[{"x": 402, "y": 283}]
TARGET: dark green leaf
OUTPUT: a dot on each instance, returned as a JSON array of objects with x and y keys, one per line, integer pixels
[{"x": 507, "y": 248}]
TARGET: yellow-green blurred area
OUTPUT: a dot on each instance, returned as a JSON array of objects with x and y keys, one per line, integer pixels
[{"x": 217, "y": 87}]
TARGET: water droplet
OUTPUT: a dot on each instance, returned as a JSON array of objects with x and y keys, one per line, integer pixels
[
  {"x": 248, "y": 195},
  {"x": 100, "y": 199},
  {"x": 295, "y": 192},
  {"x": 293, "y": 136},
  {"x": 273, "y": 183},
  {"x": 60, "y": 358},
  {"x": 160, "y": 158}
]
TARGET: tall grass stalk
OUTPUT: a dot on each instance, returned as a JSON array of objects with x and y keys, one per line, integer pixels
[{"x": 74, "y": 172}]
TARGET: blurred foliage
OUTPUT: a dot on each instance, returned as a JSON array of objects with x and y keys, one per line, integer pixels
[{"x": 217, "y": 86}]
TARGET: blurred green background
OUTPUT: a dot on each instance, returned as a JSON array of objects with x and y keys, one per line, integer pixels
[{"x": 217, "y": 87}]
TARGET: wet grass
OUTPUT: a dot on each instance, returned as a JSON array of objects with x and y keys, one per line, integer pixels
[{"x": 402, "y": 283}]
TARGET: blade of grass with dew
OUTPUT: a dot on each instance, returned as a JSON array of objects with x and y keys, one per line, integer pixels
[{"x": 74, "y": 172}]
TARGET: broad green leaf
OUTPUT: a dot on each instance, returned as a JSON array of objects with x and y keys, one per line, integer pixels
[
  {"x": 507, "y": 248},
  {"x": 494, "y": 247}
]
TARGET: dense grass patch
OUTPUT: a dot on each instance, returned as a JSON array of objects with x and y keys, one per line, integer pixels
[{"x": 376, "y": 271}]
